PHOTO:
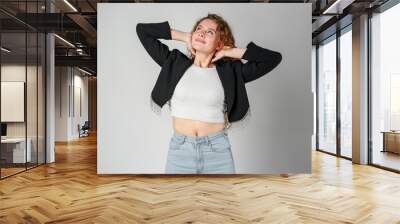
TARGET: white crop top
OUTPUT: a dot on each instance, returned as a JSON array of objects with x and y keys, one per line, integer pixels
[{"x": 199, "y": 95}]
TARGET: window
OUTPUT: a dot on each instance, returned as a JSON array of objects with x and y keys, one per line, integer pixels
[
  {"x": 346, "y": 74},
  {"x": 327, "y": 95},
  {"x": 385, "y": 88}
]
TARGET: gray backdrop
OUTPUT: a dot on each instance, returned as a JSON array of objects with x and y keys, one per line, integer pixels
[{"x": 134, "y": 140}]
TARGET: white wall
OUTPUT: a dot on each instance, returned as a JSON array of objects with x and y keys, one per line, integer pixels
[
  {"x": 61, "y": 103},
  {"x": 132, "y": 139},
  {"x": 66, "y": 81}
]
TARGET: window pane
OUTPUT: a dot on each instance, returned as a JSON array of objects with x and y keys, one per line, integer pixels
[
  {"x": 345, "y": 93},
  {"x": 327, "y": 96},
  {"x": 14, "y": 152},
  {"x": 31, "y": 101},
  {"x": 386, "y": 88}
]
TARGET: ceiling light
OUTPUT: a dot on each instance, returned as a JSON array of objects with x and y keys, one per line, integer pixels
[
  {"x": 70, "y": 5},
  {"x": 65, "y": 41},
  {"x": 86, "y": 72},
  {"x": 337, "y": 7},
  {"x": 5, "y": 49}
]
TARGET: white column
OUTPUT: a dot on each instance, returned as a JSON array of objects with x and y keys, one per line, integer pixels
[{"x": 50, "y": 100}]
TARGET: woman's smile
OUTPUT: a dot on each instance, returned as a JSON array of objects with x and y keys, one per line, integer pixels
[{"x": 200, "y": 40}]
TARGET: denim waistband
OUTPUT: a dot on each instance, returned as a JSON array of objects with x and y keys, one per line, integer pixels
[{"x": 198, "y": 139}]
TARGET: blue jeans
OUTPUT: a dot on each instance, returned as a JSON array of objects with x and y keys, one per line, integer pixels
[{"x": 200, "y": 154}]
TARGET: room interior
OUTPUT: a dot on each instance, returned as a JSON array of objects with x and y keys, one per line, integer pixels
[{"x": 48, "y": 156}]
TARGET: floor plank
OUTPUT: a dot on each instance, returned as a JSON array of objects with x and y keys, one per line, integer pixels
[{"x": 70, "y": 191}]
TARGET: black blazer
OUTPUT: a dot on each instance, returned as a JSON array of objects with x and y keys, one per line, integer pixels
[{"x": 233, "y": 74}]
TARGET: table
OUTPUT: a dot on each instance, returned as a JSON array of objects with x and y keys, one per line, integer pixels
[{"x": 17, "y": 150}]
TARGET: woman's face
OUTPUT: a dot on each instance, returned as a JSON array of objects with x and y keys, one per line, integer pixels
[{"x": 205, "y": 38}]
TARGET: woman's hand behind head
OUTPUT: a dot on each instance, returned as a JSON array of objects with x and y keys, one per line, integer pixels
[
  {"x": 220, "y": 54},
  {"x": 188, "y": 41}
]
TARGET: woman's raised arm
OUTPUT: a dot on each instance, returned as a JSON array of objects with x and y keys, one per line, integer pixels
[
  {"x": 149, "y": 33},
  {"x": 260, "y": 61}
]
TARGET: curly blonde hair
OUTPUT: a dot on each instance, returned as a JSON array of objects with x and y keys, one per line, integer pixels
[{"x": 225, "y": 33}]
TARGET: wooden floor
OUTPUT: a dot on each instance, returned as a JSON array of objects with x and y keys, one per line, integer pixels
[
  {"x": 70, "y": 191},
  {"x": 8, "y": 171},
  {"x": 388, "y": 159}
]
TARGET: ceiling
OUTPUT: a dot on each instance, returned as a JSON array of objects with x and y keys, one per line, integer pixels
[{"x": 77, "y": 23}]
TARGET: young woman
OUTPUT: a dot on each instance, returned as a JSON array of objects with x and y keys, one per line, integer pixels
[{"x": 205, "y": 91}]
